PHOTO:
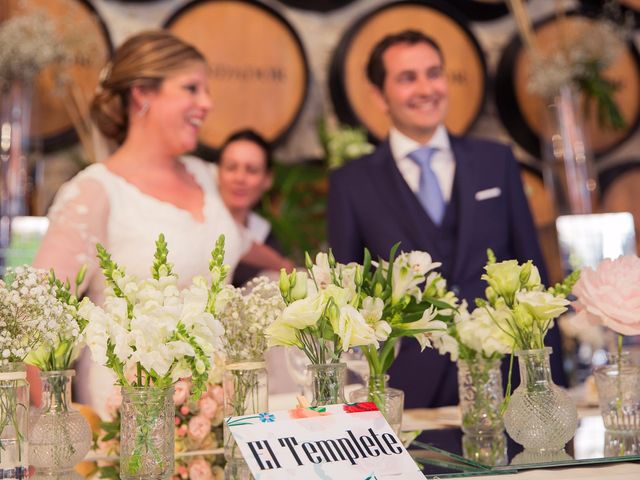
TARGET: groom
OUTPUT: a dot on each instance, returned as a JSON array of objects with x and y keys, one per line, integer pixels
[{"x": 453, "y": 197}]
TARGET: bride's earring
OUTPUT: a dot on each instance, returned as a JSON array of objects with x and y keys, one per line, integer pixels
[{"x": 143, "y": 109}]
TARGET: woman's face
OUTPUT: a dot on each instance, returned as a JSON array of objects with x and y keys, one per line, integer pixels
[
  {"x": 178, "y": 108},
  {"x": 243, "y": 175}
]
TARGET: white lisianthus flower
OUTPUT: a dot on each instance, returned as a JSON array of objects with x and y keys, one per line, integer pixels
[
  {"x": 280, "y": 333},
  {"x": 503, "y": 277},
  {"x": 304, "y": 313},
  {"x": 299, "y": 289},
  {"x": 543, "y": 306},
  {"x": 481, "y": 331},
  {"x": 341, "y": 296},
  {"x": 353, "y": 329}
]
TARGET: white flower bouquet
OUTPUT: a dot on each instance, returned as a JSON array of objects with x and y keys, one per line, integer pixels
[
  {"x": 151, "y": 326},
  {"x": 152, "y": 334},
  {"x": 30, "y": 315},
  {"x": 338, "y": 307}
]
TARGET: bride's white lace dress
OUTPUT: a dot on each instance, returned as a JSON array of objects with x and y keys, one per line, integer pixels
[{"x": 134, "y": 221}]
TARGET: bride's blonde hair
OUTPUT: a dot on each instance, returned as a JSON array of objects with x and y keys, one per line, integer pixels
[{"x": 144, "y": 60}]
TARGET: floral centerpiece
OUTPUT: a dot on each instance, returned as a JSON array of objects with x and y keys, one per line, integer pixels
[
  {"x": 30, "y": 315},
  {"x": 160, "y": 333},
  {"x": 334, "y": 307},
  {"x": 197, "y": 433},
  {"x": 246, "y": 314},
  {"x": 56, "y": 418},
  {"x": 539, "y": 415},
  {"x": 607, "y": 295}
]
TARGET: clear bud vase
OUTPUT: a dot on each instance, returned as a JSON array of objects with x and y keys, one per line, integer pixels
[
  {"x": 14, "y": 421},
  {"x": 489, "y": 450},
  {"x": 480, "y": 392},
  {"x": 390, "y": 401},
  {"x": 146, "y": 433},
  {"x": 246, "y": 392},
  {"x": 621, "y": 444},
  {"x": 541, "y": 416},
  {"x": 569, "y": 173},
  {"x": 618, "y": 385},
  {"x": 60, "y": 436},
  {"x": 327, "y": 383}
]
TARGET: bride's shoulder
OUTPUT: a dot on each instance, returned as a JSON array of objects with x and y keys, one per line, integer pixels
[{"x": 199, "y": 167}]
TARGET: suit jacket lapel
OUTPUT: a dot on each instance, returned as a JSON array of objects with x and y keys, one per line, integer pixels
[
  {"x": 466, "y": 174},
  {"x": 409, "y": 214}
]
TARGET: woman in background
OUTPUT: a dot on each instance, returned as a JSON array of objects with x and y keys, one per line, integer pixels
[
  {"x": 152, "y": 100},
  {"x": 245, "y": 174}
]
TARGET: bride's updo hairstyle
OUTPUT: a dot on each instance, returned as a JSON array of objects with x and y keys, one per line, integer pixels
[{"x": 144, "y": 60}]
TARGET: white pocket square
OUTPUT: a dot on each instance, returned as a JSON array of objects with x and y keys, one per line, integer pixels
[{"x": 488, "y": 193}]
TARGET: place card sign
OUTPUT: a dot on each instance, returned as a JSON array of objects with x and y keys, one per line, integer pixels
[{"x": 346, "y": 441}]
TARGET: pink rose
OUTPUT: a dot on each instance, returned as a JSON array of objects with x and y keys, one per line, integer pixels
[
  {"x": 184, "y": 410},
  {"x": 181, "y": 431},
  {"x": 199, "y": 427},
  {"x": 181, "y": 392},
  {"x": 200, "y": 469},
  {"x": 208, "y": 407},
  {"x": 611, "y": 294},
  {"x": 217, "y": 393}
]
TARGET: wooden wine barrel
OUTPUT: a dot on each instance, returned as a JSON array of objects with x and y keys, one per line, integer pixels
[
  {"x": 259, "y": 72},
  {"x": 523, "y": 113},
  {"x": 351, "y": 92},
  {"x": 482, "y": 10},
  {"x": 620, "y": 187},
  {"x": 78, "y": 21},
  {"x": 317, "y": 5}
]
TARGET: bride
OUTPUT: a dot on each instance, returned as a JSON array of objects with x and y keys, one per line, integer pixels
[{"x": 152, "y": 100}]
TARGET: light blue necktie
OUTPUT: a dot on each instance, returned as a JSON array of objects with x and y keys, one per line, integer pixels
[{"x": 429, "y": 193}]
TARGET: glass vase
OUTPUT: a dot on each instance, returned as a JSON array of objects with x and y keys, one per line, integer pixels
[
  {"x": 480, "y": 392},
  {"x": 146, "y": 433},
  {"x": 618, "y": 385},
  {"x": 540, "y": 416},
  {"x": 60, "y": 436},
  {"x": 390, "y": 401},
  {"x": 327, "y": 383},
  {"x": 14, "y": 421},
  {"x": 15, "y": 120},
  {"x": 489, "y": 450},
  {"x": 245, "y": 393},
  {"x": 569, "y": 172},
  {"x": 621, "y": 444}
]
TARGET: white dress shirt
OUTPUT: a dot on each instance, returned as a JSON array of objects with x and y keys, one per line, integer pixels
[{"x": 443, "y": 163}]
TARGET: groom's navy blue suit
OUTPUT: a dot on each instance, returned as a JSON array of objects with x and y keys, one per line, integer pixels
[{"x": 371, "y": 205}]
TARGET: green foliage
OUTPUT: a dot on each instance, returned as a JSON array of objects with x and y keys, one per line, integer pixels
[{"x": 296, "y": 208}]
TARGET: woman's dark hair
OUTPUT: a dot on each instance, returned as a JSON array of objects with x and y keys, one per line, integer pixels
[
  {"x": 250, "y": 136},
  {"x": 375, "y": 67}
]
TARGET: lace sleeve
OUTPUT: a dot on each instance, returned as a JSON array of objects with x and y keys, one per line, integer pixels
[{"x": 78, "y": 220}]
